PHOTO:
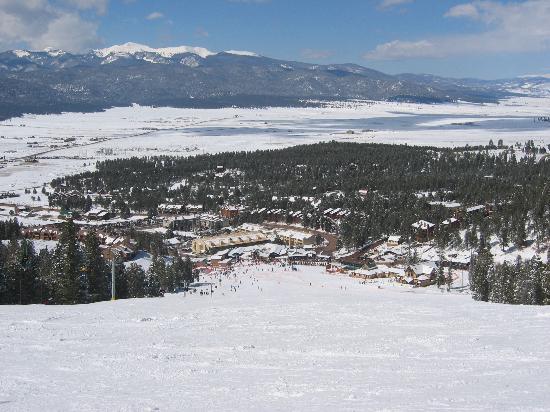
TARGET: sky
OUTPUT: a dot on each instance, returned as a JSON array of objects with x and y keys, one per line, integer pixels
[{"x": 481, "y": 38}]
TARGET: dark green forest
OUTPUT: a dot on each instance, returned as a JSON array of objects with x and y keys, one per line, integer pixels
[
  {"x": 517, "y": 188},
  {"x": 76, "y": 272}
]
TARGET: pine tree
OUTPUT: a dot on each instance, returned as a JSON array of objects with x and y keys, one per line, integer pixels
[
  {"x": 156, "y": 272},
  {"x": 137, "y": 285},
  {"x": 545, "y": 283},
  {"x": 189, "y": 276},
  {"x": 449, "y": 279},
  {"x": 178, "y": 273},
  {"x": 13, "y": 273},
  {"x": 479, "y": 275},
  {"x": 67, "y": 267},
  {"x": 46, "y": 278},
  {"x": 121, "y": 281},
  {"x": 96, "y": 269}
]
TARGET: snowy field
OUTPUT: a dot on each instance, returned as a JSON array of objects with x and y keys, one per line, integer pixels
[
  {"x": 277, "y": 343},
  {"x": 73, "y": 142}
]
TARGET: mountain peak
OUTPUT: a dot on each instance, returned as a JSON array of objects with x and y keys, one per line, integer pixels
[{"x": 131, "y": 48}]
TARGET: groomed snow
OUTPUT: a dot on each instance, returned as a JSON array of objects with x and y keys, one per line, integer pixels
[{"x": 278, "y": 344}]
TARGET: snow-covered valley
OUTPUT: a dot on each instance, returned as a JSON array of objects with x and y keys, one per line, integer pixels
[
  {"x": 73, "y": 142},
  {"x": 301, "y": 340}
]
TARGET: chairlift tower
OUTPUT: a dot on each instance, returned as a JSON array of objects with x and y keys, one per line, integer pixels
[{"x": 113, "y": 278}]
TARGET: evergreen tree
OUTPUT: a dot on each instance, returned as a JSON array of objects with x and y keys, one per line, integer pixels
[
  {"x": 449, "y": 279},
  {"x": 137, "y": 284},
  {"x": 67, "y": 267},
  {"x": 96, "y": 269},
  {"x": 479, "y": 274},
  {"x": 121, "y": 281},
  {"x": 156, "y": 272},
  {"x": 178, "y": 273}
]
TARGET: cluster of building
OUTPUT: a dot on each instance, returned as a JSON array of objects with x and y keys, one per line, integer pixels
[
  {"x": 111, "y": 245},
  {"x": 425, "y": 230}
]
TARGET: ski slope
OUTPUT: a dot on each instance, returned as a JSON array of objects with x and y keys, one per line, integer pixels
[{"x": 277, "y": 343}]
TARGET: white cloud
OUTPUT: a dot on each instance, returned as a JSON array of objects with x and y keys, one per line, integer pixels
[
  {"x": 37, "y": 24},
  {"x": 398, "y": 49},
  {"x": 387, "y": 4},
  {"x": 463, "y": 10},
  {"x": 82, "y": 34},
  {"x": 155, "y": 15},
  {"x": 510, "y": 27},
  {"x": 98, "y": 5}
]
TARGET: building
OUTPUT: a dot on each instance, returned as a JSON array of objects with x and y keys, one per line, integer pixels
[
  {"x": 182, "y": 223},
  {"x": 294, "y": 238},
  {"x": 97, "y": 214},
  {"x": 194, "y": 208},
  {"x": 211, "y": 222},
  {"x": 421, "y": 274},
  {"x": 41, "y": 233},
  {"x": 424, "y": 230},
  {"x": 451, "y": 223},
  {"x": 336, "y": 213},
  {"x": 216, "y": 243},
  {"x": 120, "y": 252},
  {"x": 231, "y": 212},
  {"x": 394, "y": 240},
  {"x": 479, "y": 210},
  {"x": 171, "y": 209}
]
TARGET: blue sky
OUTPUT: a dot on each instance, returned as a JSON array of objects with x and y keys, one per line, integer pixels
[{"x": 480, "y": 38}]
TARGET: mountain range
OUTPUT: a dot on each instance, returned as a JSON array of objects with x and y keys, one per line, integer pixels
[{"x": 52, "y": 80}]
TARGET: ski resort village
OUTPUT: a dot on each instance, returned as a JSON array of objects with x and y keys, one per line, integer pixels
[
  {"x": 264, "y": 262},
  {"x": 327, "y": 206}
]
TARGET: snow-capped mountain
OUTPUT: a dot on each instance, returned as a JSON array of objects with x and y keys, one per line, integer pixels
[
  {"x": 136, "y": 49},
  {"x": 132, "y": 49},
  {"x": 54, "y": 80},
  {"x": 530, "y": 85}
]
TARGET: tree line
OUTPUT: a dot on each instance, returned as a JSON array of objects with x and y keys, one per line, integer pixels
[
  {"x": 78, "y": 273},
  {"x": 332, "y": 173},
  {"x": 525, "y": 282}
]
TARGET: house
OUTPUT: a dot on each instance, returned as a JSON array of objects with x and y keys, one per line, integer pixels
[
  {"x": 295, "y": 238},
  {"x": 194, "y": 208},
  {"x": 394, "y": 240},
  {"x": 120, "y": 252},
  {"x": 336, "y": 213},
  {"x": 479, "y": 210},
  {"x": 422, "y": 274},
  {"x": 300, "y": 255},
  {"x": 170, "y": 209},
  {"x": 451, "y": 223},
  {"x": 452, "y": 206},
  {"x": 216, "y": 243},
  {"x": 41, "y": 233},
  {"x": 97, "y": 214},
  {"x": 211, "y": 222},
  {"x": 231, "y": 212},
  {"x": 377, "y": 272},
  {"x": 424, "y": 230},
  {"x": 363, "y": 193},
  {"x": 183, "y": 223}
]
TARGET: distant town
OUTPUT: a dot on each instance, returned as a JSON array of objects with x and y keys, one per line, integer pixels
[{"x": 375, "y": 227}]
